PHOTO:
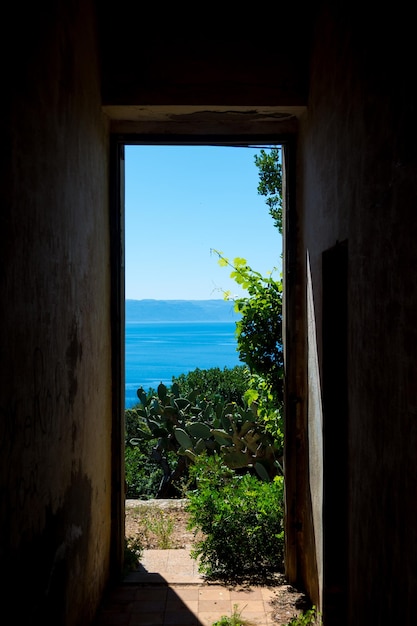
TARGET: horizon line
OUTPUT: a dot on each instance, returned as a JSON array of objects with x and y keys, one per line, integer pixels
[{"x": 179, "y": 299}]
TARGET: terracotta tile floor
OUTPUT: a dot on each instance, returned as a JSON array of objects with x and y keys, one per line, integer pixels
[{"x": 167, "y": 589}]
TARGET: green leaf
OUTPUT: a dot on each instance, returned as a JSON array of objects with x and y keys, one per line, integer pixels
[
  {"x": 182, "y": 403},
  {"x": 193, "y": 395},
  {"x": 200, "y": 430},
  {"x": 141, "y": 395},
  {"x": 182, "y": 438},
  {"x": 162, "y": 392},
  {"x": 221, "y": 436},
  {"x": 262, "y": 473},
  {"x": 251, "y": 395}
]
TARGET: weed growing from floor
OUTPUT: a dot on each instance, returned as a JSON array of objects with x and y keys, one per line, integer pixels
[
  {"x": 162, "y": 526},
  {"x": 235, "y": 619},
  {"x": 308, "y": 618},
  {"x": 158, "y": 523}
]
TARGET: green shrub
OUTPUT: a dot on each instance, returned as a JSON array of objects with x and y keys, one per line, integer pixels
[
  {"x": 132, "y": 423},
  {"x": 142, "y": 475},
  {"x": 227, "y": 385},
  {"x": 241, "y": 518}
]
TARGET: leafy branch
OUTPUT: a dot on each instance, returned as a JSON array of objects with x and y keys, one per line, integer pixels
[
  {"x": 259, "y": 330},
  {"x": 270, "y": 182}
]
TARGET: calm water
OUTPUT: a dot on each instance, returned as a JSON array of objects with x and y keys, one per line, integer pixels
[{"x": 155, "y": 352}]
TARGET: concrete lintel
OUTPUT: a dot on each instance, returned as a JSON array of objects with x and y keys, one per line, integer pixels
[{"x": 192, "y": 120}]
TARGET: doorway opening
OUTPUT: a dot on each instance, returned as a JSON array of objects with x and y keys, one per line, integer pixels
[
  {"x": 153, "y": 234},
  {"x": 184, "y": 204}
]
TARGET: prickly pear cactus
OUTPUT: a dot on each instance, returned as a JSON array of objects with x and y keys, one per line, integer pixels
[{"x": 190, "y": 426}]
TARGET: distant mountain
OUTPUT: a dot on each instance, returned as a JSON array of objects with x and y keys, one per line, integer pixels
[{"x": 180, "y": 311}]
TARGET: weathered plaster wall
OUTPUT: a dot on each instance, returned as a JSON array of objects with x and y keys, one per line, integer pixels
[
  {"x": 358, "y": 167},
  {"x": 55, "y": 385}
]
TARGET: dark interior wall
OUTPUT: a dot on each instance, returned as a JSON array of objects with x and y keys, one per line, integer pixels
[
  {"x": 55, "y": 384},
  {"x": 181, "y": 58},
  {"x": 358, "y": 167}
]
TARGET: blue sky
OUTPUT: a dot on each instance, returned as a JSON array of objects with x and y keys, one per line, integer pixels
[{"x": 180, "y": 203}]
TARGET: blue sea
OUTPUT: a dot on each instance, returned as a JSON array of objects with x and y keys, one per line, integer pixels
[{"x": 157, "y": 351}]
